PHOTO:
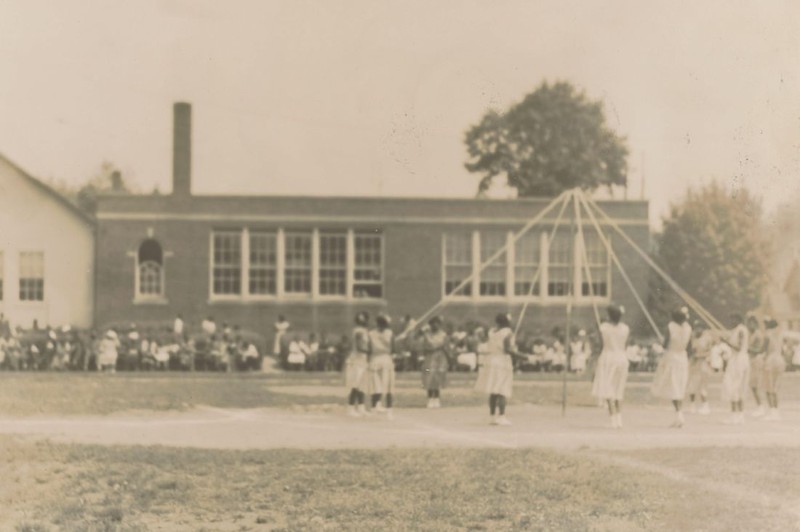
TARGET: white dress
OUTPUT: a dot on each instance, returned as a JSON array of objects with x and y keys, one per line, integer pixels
[
  {"x": 381, "y": 365},
  {"x": 737, "y": 372},
  {"x": 672, "y": 374},
  {"x": 611, "y": 373},
  {"x": 497, "y": 373},
  {"x": 579, "y": 355},
  {"x": 357, "y": 364}
]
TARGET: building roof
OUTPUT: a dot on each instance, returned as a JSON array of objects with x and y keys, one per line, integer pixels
[
  {"x": 47, "y": 189},
  {"x": 367, "y": 209}
]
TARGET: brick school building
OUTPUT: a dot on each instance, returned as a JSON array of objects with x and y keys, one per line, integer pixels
[{"x": 319, "y": 260}]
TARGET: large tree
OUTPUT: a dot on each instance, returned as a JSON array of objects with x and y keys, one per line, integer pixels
[
  {"x": 712, "y": 245},
  {"x": 555, "y": 139}
]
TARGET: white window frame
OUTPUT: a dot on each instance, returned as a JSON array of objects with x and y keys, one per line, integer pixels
[
  {"x": 242, "y": 235},
  {"x": 445, "y": 264},
  {"x": 318, "y": 268},
  {"x": 581, "y": 276},
  {"x": 281, "y": 294},
  {"x": 577, "y": 275},
  {"x": 247, "y": 235},
  {"x": 139, "y": 296},
  {"x": 381, "y": 267},
  {"x": 21, "y": 278}
]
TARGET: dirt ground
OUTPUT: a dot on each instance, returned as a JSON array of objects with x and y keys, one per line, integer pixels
[{"x": 327, "y": 426}]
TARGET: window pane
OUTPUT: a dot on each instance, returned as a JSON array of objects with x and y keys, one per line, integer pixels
[
  {"x": 150, "y": 279},
  {"x": 368, "y": 270},
  {"x": 227, "y": 269},
  {"x": 493, "y": 276},
  {"x": 332, "y": 264},
  {"x": 491, "y": 242},
  {"x": 597, "y": 257},
  {"x": 31, "y": 276},
  {"x": 263, "y": 263},
  {"x": 523, "y": 275},
  {"x": 526, "y": 259},
  {"x": 458, "y": 262},
  {"x": 297, "y": 274}
]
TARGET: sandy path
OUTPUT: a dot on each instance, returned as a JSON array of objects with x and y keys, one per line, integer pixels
[{"x": 330, "y": 428}]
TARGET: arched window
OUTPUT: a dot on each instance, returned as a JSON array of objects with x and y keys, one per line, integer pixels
[{"x": 150, "y": 266}]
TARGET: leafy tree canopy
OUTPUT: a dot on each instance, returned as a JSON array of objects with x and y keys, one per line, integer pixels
[
  {"x": 712, "y": 245},
  {"x": 555, "y": 139}
]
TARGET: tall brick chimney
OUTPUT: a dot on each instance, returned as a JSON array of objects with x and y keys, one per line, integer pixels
[{"x": 182, "y": 149}]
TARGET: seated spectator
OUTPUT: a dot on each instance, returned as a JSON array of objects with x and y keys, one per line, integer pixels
[
  {"x": 312, "y": 352},
  {"x": 209, "y": 326},
  {"x": 251, "y": 356},
  {"x": 107, "y": 357},
  {"x": 558, "y": 357},
  {"x": 297, "y": 357}
]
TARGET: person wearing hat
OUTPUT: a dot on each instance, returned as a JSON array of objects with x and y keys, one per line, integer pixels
[
  {"x": 737, "y": 371},
  {"x": 774, "y": 366},
  {"x": 611, "y": 373},
  {"x": 435, "y": 346},
  {"x": 357, "y": 365},
  {"x": 672, "y": 374},
  {"x": 700, "y": 368},
  {"x": 499, "y": 368},
  {"x": 381, "y": 364}
]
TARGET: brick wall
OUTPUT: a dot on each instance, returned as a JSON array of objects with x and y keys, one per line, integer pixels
[{"x": 412, "y": 260}]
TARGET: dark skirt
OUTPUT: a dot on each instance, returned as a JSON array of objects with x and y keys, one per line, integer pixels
[{"x": 434, "y": 371}]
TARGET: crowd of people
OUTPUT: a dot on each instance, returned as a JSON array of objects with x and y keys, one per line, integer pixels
[{"x": 129, "y": 348}]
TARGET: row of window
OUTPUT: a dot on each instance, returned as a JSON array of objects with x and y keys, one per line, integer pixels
[
  {"x": 247, "y": 263},
  {"x": 512, "y": 273},
  {"x": 297, "y": 263},
  {"x": 31, "y": 276},
  {"x": 255, "y": 263}
]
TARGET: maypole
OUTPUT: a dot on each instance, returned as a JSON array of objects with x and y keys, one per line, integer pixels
[{"x": 570, "y": 298}]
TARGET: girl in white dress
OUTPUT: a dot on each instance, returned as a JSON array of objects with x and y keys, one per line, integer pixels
[
  {"x": 356, "y": 367},
  {"x": 611, "y": 372},
  {"x": 737, "y": 372},
  {"x": 672, "y": 374},
  {"x": 774, "y": 366},
  {"x": 381, "y": 364},
  {"x": 498, "y": 368}
]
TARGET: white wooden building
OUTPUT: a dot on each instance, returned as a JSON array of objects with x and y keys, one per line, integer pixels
[{"x": 46, "y": 254}]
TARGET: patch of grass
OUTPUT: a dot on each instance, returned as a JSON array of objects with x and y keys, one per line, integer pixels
[{"x": 137, "y": 488}]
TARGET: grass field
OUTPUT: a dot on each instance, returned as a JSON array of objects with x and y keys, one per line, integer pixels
[
  {"x": 46, "y": 486},
  {"x": 69, "y": 487}
]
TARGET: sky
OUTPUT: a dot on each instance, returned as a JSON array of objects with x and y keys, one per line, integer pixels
[{"x": 370, "y": 97}]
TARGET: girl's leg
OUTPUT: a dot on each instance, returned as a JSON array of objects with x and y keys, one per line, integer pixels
[
  {"x": 501, "y": 404},
  {"x": 677, "y": 405},
  {"x": 617, "y": 405},
  {"x": 351, "y": 400},
  {"x": 388, "y": 400},
  {"x": 610, "y": 407},
  {"x": 430, "y": 393},
  {"x": 492, "y": 404},
  {"x": 436, "y": 393},
  {"x": 376, "y": 397},
  {"x": 361, "y": 397}
]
